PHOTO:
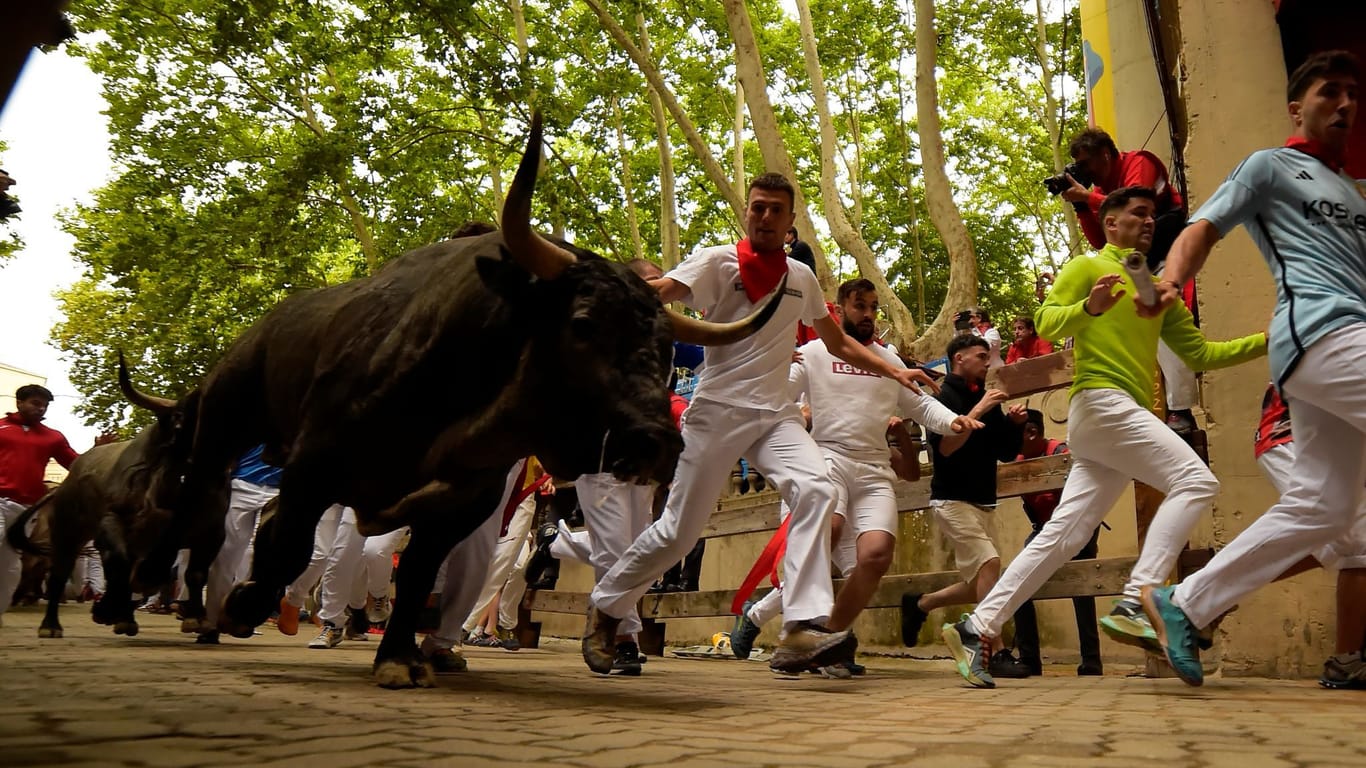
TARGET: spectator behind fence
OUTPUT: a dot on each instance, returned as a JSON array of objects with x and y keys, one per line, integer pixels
[{"x": 1028, "y": 343}]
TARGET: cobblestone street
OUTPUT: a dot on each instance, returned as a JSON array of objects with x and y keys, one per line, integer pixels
[{"x": 159, "y": 700}]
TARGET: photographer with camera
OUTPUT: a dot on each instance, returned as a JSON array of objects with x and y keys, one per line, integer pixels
[
  {"x": 8, "y": 206},
  {"x": 1099, "y": 168}
]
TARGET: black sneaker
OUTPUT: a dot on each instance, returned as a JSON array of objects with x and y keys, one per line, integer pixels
[
  {"x": 628, "y": 661},
  {"x": 743, "y": 635},
  {"x": 1090, "y": 669},
  {"x": 1004, "y": 664},
  {"x": 1181, "y": 422},
  {"x": 207, "y": 638},
  {"x": 912, "y": 619}
]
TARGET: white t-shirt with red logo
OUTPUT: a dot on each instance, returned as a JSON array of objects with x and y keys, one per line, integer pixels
[
  {"x": 850, "y": 406},
  {"x": 752, "y": 372}
]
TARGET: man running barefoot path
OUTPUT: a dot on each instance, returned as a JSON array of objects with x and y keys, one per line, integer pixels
[
  {"x": 740, "y": 408},
  {"x": 1308, "y": 219},
  {"x": 1113, "y": 433}
]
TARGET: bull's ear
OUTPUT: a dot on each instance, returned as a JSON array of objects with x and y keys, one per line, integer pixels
[{"x": 503, "y": 276}]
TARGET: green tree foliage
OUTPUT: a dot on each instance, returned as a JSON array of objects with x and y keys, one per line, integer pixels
[{"x": 265, "y": 148}]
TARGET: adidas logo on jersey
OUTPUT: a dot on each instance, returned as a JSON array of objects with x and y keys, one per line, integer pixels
[{"x": 1304, "y": 176}]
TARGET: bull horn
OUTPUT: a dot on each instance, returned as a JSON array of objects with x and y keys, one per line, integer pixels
[
  {"x": 158, "y": 405},
  {"x": 532, "y": 252},
  {"x": 693, "y": 331}
]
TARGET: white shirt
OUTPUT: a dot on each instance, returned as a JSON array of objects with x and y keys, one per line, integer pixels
[
  {"x": 850, "y": 406},
  {"x": 752, "y": 372},
  {"x": 993, "y": 338}
]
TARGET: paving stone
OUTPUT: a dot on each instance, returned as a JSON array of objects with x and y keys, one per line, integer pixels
[{"x": 158, "y": 701}]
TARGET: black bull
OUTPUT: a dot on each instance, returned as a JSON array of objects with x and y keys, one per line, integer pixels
[
  {"x": 408, "y": 395},
  {"x": 119, "y": 494}
]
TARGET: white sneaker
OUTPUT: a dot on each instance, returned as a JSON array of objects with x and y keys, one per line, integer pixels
[
  {"x": 380, "y": 608},
  {"x": 329, "y": 637}
]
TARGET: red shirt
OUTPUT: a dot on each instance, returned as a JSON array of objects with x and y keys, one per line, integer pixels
[
  {"x": 1039, "y": 506},
  {"x": 24, "y": 452},
  {"x": 1140, "y": 168},
  {"x": 1038, "y": 347}
]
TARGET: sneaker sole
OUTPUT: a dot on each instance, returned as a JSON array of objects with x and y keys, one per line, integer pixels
[
  {"x": 960, "y": 658},
  {"x": 1150, "y": 606},
  {"x": 1122, "y": 630},
  {"x": 1342, "y": 685}
]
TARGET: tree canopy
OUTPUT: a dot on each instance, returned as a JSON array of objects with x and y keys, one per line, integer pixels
[{"x": 265, "y": 148}]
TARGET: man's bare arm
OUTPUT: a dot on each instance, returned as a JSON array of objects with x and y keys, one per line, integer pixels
[
  {"x": 1184, "y": 261},
  {"x": 670, "y": 290}
]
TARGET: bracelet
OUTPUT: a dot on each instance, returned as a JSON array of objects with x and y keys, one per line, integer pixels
[{"x": 1086, "y": 307}]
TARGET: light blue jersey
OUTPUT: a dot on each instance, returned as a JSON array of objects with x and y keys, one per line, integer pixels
[{"x": 1310, "y": 225}]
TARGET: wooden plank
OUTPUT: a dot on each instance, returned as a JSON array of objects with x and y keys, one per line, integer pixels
[
  {"x": 1078, "y": 578},
  {"x": 1038, "y": 374},
  {"x": 759, "y": 511}
]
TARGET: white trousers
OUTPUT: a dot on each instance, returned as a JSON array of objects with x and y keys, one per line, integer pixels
[
  {"x": 1328, "y": 406},
  {"x": 341, "y": 570},
  {"x": 233, "y": 562},
  {"x": 377, "y": 565},
  {"x": 615, "y": 513},
  {"x": 1182, "y": 391},
  {"x": 508, "y": 553},
  {"x": 1347, "y": 551},
  {"x": 714, "y": 436},
  {"x": 1113, "y": 440},
  {"x": 572, "y": 545},
  {"x": 89, "y": 570},
  {"x": 865, "y": 498},
  {"x": 323, "y": 538},
  {"x": 11, "y": 564},
  {"x": 462, "y": 574}
]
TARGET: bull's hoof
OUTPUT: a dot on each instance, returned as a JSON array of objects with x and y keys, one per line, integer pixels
[
  {"x": 195, "y": 626},
  {"x": 46, "y": 631},
  {"x": 103, "y": 612},
  {"x": 248, "y": 604},
  {"x": 397, "y": 673},
  {"x": 239, "y": 631},
  {"x": 126, "y": 627}
]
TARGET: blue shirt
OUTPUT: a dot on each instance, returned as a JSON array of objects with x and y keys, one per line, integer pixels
[
  {"x": 1310, "y": 225},
  {"x": 253, "y": 470}
]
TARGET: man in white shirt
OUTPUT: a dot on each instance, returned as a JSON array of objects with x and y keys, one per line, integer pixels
[
  {"x": 740, "y": 408},
  {"x": 850, "y": 409},
  {"x": 981, "y": 326}
]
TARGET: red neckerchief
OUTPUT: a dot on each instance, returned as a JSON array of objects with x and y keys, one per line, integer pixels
[
  {"x": 1315, "y": 150},
  {"x": 759, "y": 272}
]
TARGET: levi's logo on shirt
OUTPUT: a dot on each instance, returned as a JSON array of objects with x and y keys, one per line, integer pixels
[{"x": 839, "y": 366}]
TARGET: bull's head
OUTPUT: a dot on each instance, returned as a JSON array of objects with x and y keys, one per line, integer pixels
[
  {"x": 168, "y": 441},
  {"x": 603, "y": 349}
]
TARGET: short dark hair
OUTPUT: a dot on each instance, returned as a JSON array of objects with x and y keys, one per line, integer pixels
[
  {"x": 959, "y": 343},
  {"x": 774, "y": 182},
  {"x": 980, "y": 312},
  {"x": 1121, "y": 197},
  {"x": 1092, "y": 140},
  {"x": 1321, "y": 65},
  {"x": 793, "y": 231},
  {"x": 29, "y": 390},
  {"x": 852, "y": 287},
  {"x": 639, "y": 266},
  {"x": 1034, "y": 416},
  {"x": 1028, "y": 322}
]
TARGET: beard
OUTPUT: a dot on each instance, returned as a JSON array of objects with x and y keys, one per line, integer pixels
[{"x": 861, "y": 333}]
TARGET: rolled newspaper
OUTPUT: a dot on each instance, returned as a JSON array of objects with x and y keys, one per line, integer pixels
[{"x": 1137, "y": 267}]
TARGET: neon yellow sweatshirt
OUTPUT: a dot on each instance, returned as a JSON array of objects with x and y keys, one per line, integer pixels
[{"x": 1118, "y": 350}]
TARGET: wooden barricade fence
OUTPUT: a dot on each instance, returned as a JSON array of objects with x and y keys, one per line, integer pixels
[{"x": 758, "y": 512}]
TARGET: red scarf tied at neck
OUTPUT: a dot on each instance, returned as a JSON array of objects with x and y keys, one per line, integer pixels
[
  {"x": 1316, "y": 150},
  {"x": 759, "y": 272}
]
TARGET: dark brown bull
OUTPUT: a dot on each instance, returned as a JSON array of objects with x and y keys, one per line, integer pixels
[
  {"x": 119, "y": 494},
  {"x": 408, "y": 395}
]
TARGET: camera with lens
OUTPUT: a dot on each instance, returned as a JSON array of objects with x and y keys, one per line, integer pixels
[
  {"x": 1057, "y": 184},
  {"x": 962, "y": 321}
]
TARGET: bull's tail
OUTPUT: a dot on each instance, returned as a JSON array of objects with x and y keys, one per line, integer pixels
[{"x": 18, "y": 536}]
